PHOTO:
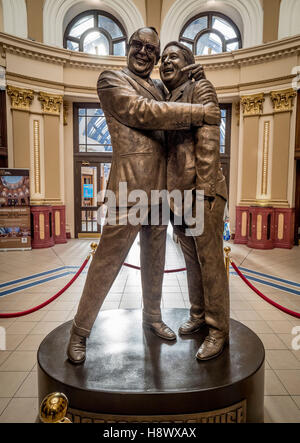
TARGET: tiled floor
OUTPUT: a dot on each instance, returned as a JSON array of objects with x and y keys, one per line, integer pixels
[{"x": 18, "y": 376}]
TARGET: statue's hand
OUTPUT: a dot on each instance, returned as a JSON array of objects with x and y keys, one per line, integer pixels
[
  {"x": 204, "y": 92},
  {"x": 196, "y": 71},
  {"x": 212, "y": 114}
]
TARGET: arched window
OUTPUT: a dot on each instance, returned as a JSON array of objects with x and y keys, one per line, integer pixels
[
  {"x": 211, "y": 33},
  {"x": 96, "y": 32}
]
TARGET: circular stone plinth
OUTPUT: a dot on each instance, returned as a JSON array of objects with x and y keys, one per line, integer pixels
[{"x": 132, "y": 375}]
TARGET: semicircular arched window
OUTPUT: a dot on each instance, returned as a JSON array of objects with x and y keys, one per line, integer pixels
[
  {"x": 96, "y": 32},
  {"x": 211, "y": 33}
]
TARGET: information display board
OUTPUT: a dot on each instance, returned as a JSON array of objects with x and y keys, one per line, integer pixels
[
  {"x": 15, "y": 226},
  {"x": 15, "y": 230}
]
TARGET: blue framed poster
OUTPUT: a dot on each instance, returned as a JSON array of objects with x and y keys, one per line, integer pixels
[{"x": 88, "y": 191}]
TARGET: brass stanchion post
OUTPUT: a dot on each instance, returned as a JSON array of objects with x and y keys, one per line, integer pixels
[
  {"x": 54, "y": 408},
  {"x": 94, "y": 247},
  {"x": 227, "y": 251}
]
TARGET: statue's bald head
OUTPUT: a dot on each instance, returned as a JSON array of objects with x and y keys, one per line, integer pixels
[
  {"x": 152, "y": 33},
  {"x": 143, "y": 51}
]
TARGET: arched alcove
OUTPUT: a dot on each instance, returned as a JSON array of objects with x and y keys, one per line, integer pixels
[
  {"x": 15, "y": 17},
  {"x": 289, "y": 18},
  {"x": 58, "y": 13},
  {"x": 247, "y": 15}
]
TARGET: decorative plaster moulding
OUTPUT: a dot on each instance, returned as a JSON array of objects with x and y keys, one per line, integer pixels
[
  {"x": 51, "y": 103},
  {"x": 283, "y": 101},
  {"x": 50, "y": 54},
  {"x": 252, "y": 104},
  {"x": 242, "y": 57},
  {"x": 21, "y": 99}
]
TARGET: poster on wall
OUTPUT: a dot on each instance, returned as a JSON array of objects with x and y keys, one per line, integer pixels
[{"x": 15, "y": 226}]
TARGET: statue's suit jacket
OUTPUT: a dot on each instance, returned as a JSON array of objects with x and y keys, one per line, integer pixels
[
  {"x": 194, "y": 155},
  {"x": 136, "y": 119}
]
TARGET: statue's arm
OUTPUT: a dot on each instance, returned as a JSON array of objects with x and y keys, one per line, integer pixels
[
  {"x": 207, "y": 142},
  {"x": 205, "y": 93},
  {"x": 121, "y": 100}
]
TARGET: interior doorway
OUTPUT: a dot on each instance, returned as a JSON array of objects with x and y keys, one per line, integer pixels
[
  {"x": 92, "y": 162},
  {"x": 90, "y": 182}
]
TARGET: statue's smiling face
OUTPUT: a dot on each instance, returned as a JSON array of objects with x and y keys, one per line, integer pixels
[
  {"x": 142, "y": 54},
  {"x": 172, "y": 62}
]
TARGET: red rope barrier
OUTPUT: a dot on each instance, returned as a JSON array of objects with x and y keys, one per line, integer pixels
[
  {"x": 166, "y": 271},
  {"x": 37, "y": 308},
  {"x": 268, "y": 300}
]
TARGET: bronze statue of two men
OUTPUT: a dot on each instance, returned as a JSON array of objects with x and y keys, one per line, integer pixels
[{"x": 162, "y": 138}]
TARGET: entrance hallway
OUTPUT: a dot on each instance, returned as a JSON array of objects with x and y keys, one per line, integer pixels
[{"x": 18, "y": 376}]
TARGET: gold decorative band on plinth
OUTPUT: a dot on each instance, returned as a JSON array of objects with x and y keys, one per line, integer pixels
[
  {"x": 53, "y": 202},
  {"x": 260, "y": 202},
  {"x": 50, "y": 103},
  {"x": 232, "y": 414},
  {"x": 21, "y": 99},
  {"x": 263, "y": 203},
  {"x": 35, "y": 202},
  {"x": 283, "y": 101},
  {"x": 36, "y": 148},
  {"x": 252, "y": 104},
  {"x": 264, "y": 181}
]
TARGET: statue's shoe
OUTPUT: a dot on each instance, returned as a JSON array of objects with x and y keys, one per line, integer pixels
[
  {"x": 212, "y": 347},
  {"x": 77, "y": 349},
  {"x": 190, "y": 326},
  {"x": 161, "y": 330}
]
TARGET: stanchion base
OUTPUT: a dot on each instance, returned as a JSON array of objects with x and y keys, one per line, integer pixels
[{"x": 131, "y": 375}]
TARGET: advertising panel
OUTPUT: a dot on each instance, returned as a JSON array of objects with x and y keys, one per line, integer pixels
[{"x": 15, "y": 229}]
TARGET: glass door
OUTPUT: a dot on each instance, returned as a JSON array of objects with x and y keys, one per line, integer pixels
[{"x": 91, "y": 182}]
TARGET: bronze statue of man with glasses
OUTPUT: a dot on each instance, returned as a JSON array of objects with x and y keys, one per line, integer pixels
[{"x": 137, "y": 117}]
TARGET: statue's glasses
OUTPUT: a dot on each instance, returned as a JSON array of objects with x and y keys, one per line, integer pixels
[{"x": 138, "y": 46}]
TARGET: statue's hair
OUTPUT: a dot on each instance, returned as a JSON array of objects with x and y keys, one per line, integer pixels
[
  {"x": 157, "y": 53},
  {"x": 187, "y": 53}
]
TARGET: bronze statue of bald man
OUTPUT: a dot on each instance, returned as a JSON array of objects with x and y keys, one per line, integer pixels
[{"x": 194, "y": 164}]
